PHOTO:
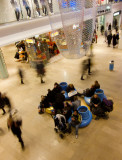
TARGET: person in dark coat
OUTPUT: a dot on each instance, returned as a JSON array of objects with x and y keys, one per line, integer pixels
[
  {"x": 2, "y": 104},
  {"x": 109, "y": 38},
  {"x": 109, "y": 27},
  {"x": 67, "y": 112},
  {"x": 40, "y": 70},
  {"x": 6, "y": 101},
  {"x": 15, "y": 126},
  {"x": 117, "y": 37},
  {"x": 96, "y": 85},
  {"x": 59, "y": 103},
  {"x": 20, "y": 71},
  {"x": 114, "y": 41},
  {"x": 95, "y": 107}
]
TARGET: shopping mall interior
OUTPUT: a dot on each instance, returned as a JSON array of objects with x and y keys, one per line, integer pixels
[{"x": 69, "y": 44}]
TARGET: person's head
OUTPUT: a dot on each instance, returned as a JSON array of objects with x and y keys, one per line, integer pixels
[
  {"x": 55, "y": 84},
  {"x": 96, "y": 82},
  {"x": 71, "y": 85},
  {"x": 92, "y": 86},
  {"x": 75, "y": 112},
  {"x": 95, "y": 96},
  {"x": 42, "y": 98}
]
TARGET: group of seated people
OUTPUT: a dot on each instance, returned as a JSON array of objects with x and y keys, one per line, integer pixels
[
  {"x": 65, "y": 109},
  {"x": 4, "y": 100}
]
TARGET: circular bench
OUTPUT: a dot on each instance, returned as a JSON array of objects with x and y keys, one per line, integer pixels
[{"x": 86, "y": 116}]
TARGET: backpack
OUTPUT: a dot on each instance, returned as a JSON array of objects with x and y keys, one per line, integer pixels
[{"x": 107, "y": 104}]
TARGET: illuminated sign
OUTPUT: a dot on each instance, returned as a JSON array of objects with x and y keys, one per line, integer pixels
[{"x": 117, "y": 13}]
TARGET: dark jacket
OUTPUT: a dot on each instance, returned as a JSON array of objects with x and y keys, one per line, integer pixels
[
  {"x": 95, "y": 101},
  {"x": 77, "y": 118}
]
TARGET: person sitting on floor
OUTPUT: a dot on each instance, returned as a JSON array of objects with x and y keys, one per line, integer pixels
[
  {"x": 70, "y": 88},
  {"x": 43, "y": 104},
  {"x": 95, "y": 107},
  {"x": 76, "y": 103},
  {"x": 76, "y": 120},
  {"x": 89, "y": 92},
  {"x": 96, "y": 85},
  {"x": 67, "y": 112},
  {"x": 59, "y": 103},
  {"x": 57, "y": 88}
]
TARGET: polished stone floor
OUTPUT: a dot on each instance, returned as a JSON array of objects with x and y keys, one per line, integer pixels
[{"x": 101, "y": 140}]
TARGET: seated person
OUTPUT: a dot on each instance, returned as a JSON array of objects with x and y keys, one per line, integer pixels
[
  {"x": 57, "y": 88},
  {"x": 59, "y": 103},
  {"x": 95, "y": 107},
  {"x": 75, "y": 121},
  {"x": 67, "y": 112},
  {"x": 96, "y": 85},
  {"x": 76, "y": 103},
  {"x": 43, "y": 104},
  {"x": 70, "y": 88},
  {"x": 89, "y": 92}
]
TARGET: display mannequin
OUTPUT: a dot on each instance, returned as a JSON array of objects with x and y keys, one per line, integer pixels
[
  {"x": 27, "y": 7},
  {"x": 16, "y": 8}
]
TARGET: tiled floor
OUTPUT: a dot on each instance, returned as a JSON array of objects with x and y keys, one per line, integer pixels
[{"x": 101, "y": 140}]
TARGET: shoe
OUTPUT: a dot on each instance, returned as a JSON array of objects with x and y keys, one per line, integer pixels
[
  {"x": 42, "y": 82},
  {"x": 76, "y": 136},
  {"x": 82, "y": 79},
  {"x": 41, "y": 112},
  {"x": 90, "y": 73}
]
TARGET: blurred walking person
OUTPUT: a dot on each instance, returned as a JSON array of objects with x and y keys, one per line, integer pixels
[
  {"x": 114, "y": 41},
  {"x": 27, "y": 7},
  {"x": 16, "y": 8},
  {"x": 40, "y": 70},
  {"x": 14, "y": 123},
  {"x": 106, "y": 34},
  {"x": 21, "y": 75},
  {"x": 6, "y": 101},
  {"x": 2, "y": 104},
  {"x": 109, "y": 38}
]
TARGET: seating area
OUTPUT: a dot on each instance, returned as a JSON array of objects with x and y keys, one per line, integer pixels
[{"x": 62, "y": 100}]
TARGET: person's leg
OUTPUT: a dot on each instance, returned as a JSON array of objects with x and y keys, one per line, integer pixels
[
  {"x": 17, "y": 15},
  {"x": 76, "y": 130},
  {"x": 69, "y": 127},
  {"x": 20, "y": 140},
  {"x": 42, "y": 79},
  {"x": 29, "y": 12},
  {"x": 22, "y": 81}
]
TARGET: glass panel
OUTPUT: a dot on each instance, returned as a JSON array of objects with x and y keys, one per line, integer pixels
[{"x": 3, "y": 69}]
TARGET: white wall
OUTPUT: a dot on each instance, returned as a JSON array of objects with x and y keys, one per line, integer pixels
[{"x": 7, "y": 13}]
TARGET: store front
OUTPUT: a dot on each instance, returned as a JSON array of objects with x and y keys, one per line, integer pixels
[
  {"x": 35, "y": 49},
  {"x": 116, "y": 19},
  {"x": 100, "y": 22}
]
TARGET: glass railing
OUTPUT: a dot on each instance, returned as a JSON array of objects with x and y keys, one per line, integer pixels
[
  {"x": 18, "y": 10},
  {"x": 104, "y": 2}
]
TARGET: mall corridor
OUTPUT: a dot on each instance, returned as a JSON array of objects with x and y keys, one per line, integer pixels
[{"x": 101, "y": 140}]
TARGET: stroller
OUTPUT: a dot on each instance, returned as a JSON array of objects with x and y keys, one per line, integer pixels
[{"x": 60, "y": 125}]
